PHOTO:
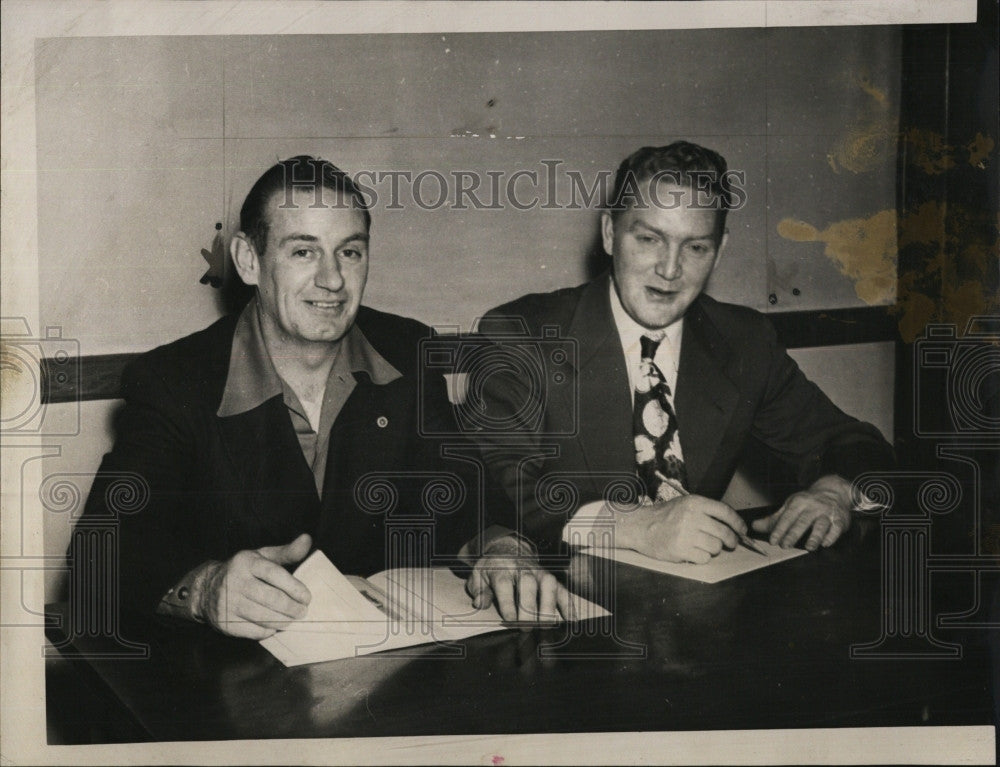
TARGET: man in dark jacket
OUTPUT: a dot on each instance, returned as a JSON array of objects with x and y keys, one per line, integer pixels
[
  {"x": 666, "y": 388},
  {"x": 291, "y": 426}
]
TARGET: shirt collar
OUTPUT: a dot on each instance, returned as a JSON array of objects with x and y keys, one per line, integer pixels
[
  {"x": 252, "y": 379},
  {"x": 631, "y": 331}
]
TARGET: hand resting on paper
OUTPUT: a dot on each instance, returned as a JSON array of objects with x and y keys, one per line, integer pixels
[
  {"x": 252, "y": 594},
  {"x": 509, "y": 574},
  {"x": 688, "y": 528},
  {"x": 824, "y": 509}
]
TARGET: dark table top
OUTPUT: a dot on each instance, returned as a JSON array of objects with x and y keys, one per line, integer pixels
[{"x": 767, "y": 649}]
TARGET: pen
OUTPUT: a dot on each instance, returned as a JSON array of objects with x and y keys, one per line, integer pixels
[
  {"x": 745, "y": 540},
  {"x": 749, "y": 542}
]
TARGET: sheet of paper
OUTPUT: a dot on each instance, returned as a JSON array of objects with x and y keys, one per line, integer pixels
[
  {"x": 445, "y": 601},
  {"x": 727, "y": 564},
  {"x": 336, "y": 603},
  {"x": 342, "y": 622},
  {"x": 434, "y": 600}
]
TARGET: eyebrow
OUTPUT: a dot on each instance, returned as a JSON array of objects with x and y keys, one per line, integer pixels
[
  {"x": 297, "y": 237},
  {"x": 639, "y": 224}
]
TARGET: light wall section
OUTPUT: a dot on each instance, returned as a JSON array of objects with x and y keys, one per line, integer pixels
[
  {"x": 146, "y": 143},
  {"x": 130, "y": 182},
  {"x": 547, "y": 104}
]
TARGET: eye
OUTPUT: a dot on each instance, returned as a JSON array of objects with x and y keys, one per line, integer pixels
[
  {"x": 645, "y": 239},
  {"x": 352, "y": 254},
  {"x": 301, "y": 253},
  {"x": 699, "y": 248}
]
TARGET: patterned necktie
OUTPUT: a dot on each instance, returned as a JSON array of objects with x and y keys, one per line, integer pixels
[{"x": 658, "y": 458}]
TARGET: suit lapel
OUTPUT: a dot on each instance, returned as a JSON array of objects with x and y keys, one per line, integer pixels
[
  {"x": 367, "y": 427},
  {"x": 605, "y": 431},
  {"x": 706, "y": 394},
  {"x": 366, "y": 436},
  {"x": 268, "y": 462}
]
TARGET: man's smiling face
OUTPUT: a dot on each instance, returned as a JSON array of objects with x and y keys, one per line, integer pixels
[
  {"x": 311, "y": 277},
  {"x": 663, "y": 250}
]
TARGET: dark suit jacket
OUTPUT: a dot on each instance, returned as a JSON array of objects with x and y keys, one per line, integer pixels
[
  {"x": 735, "y": 382},
  {"x": 210, "y": 486}
]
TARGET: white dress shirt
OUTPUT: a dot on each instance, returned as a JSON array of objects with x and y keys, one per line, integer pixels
[
  {"x": 668, "y": 353},
  {"x": 668, "y": 356}
]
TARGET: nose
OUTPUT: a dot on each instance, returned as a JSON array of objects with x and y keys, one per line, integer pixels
[
  {"x": 328, "y": 275},
  {"x": 668, "y": 266}
]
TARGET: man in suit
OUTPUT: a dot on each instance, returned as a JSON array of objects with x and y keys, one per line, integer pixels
[
  {"x": 258, "y": 438},
  {"x": 675, "y": 410}
]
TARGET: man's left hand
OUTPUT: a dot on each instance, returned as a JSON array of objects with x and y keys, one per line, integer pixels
[
  {"x": 824, "y": 509},
  {"x": 523, "y": 590}
]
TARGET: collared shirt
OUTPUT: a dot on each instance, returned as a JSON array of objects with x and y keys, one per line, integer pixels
[
  {"x": 589, "y": 524},
  {"x": 668, "y": 353},
  {"x": 253, "y": 379}
]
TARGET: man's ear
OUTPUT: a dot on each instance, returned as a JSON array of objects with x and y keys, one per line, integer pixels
[
  {"x": 245, "y": 258},
  {"x": 720, "y": 248},
  {"x": 608, "y": 233}
]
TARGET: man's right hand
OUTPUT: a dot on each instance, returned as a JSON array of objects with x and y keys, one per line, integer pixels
[
  {"x": 252, "y": 594},
  {"x": 690, "y": 528}
]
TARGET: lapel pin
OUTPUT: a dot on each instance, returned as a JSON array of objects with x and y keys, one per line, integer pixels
[{"x": 382, "y": 421}]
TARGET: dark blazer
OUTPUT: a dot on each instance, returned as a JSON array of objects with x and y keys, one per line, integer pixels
[
  {"x": 735, "y": 382},
  {"x": 211, "y": 486}
]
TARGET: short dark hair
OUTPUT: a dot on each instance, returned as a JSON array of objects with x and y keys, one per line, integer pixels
[
  {"x": 299, "y": 172},
  {"x": 681, "y": 162}
]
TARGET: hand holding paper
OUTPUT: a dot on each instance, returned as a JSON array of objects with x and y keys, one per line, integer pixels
[{"x": 252, "y": 594}]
